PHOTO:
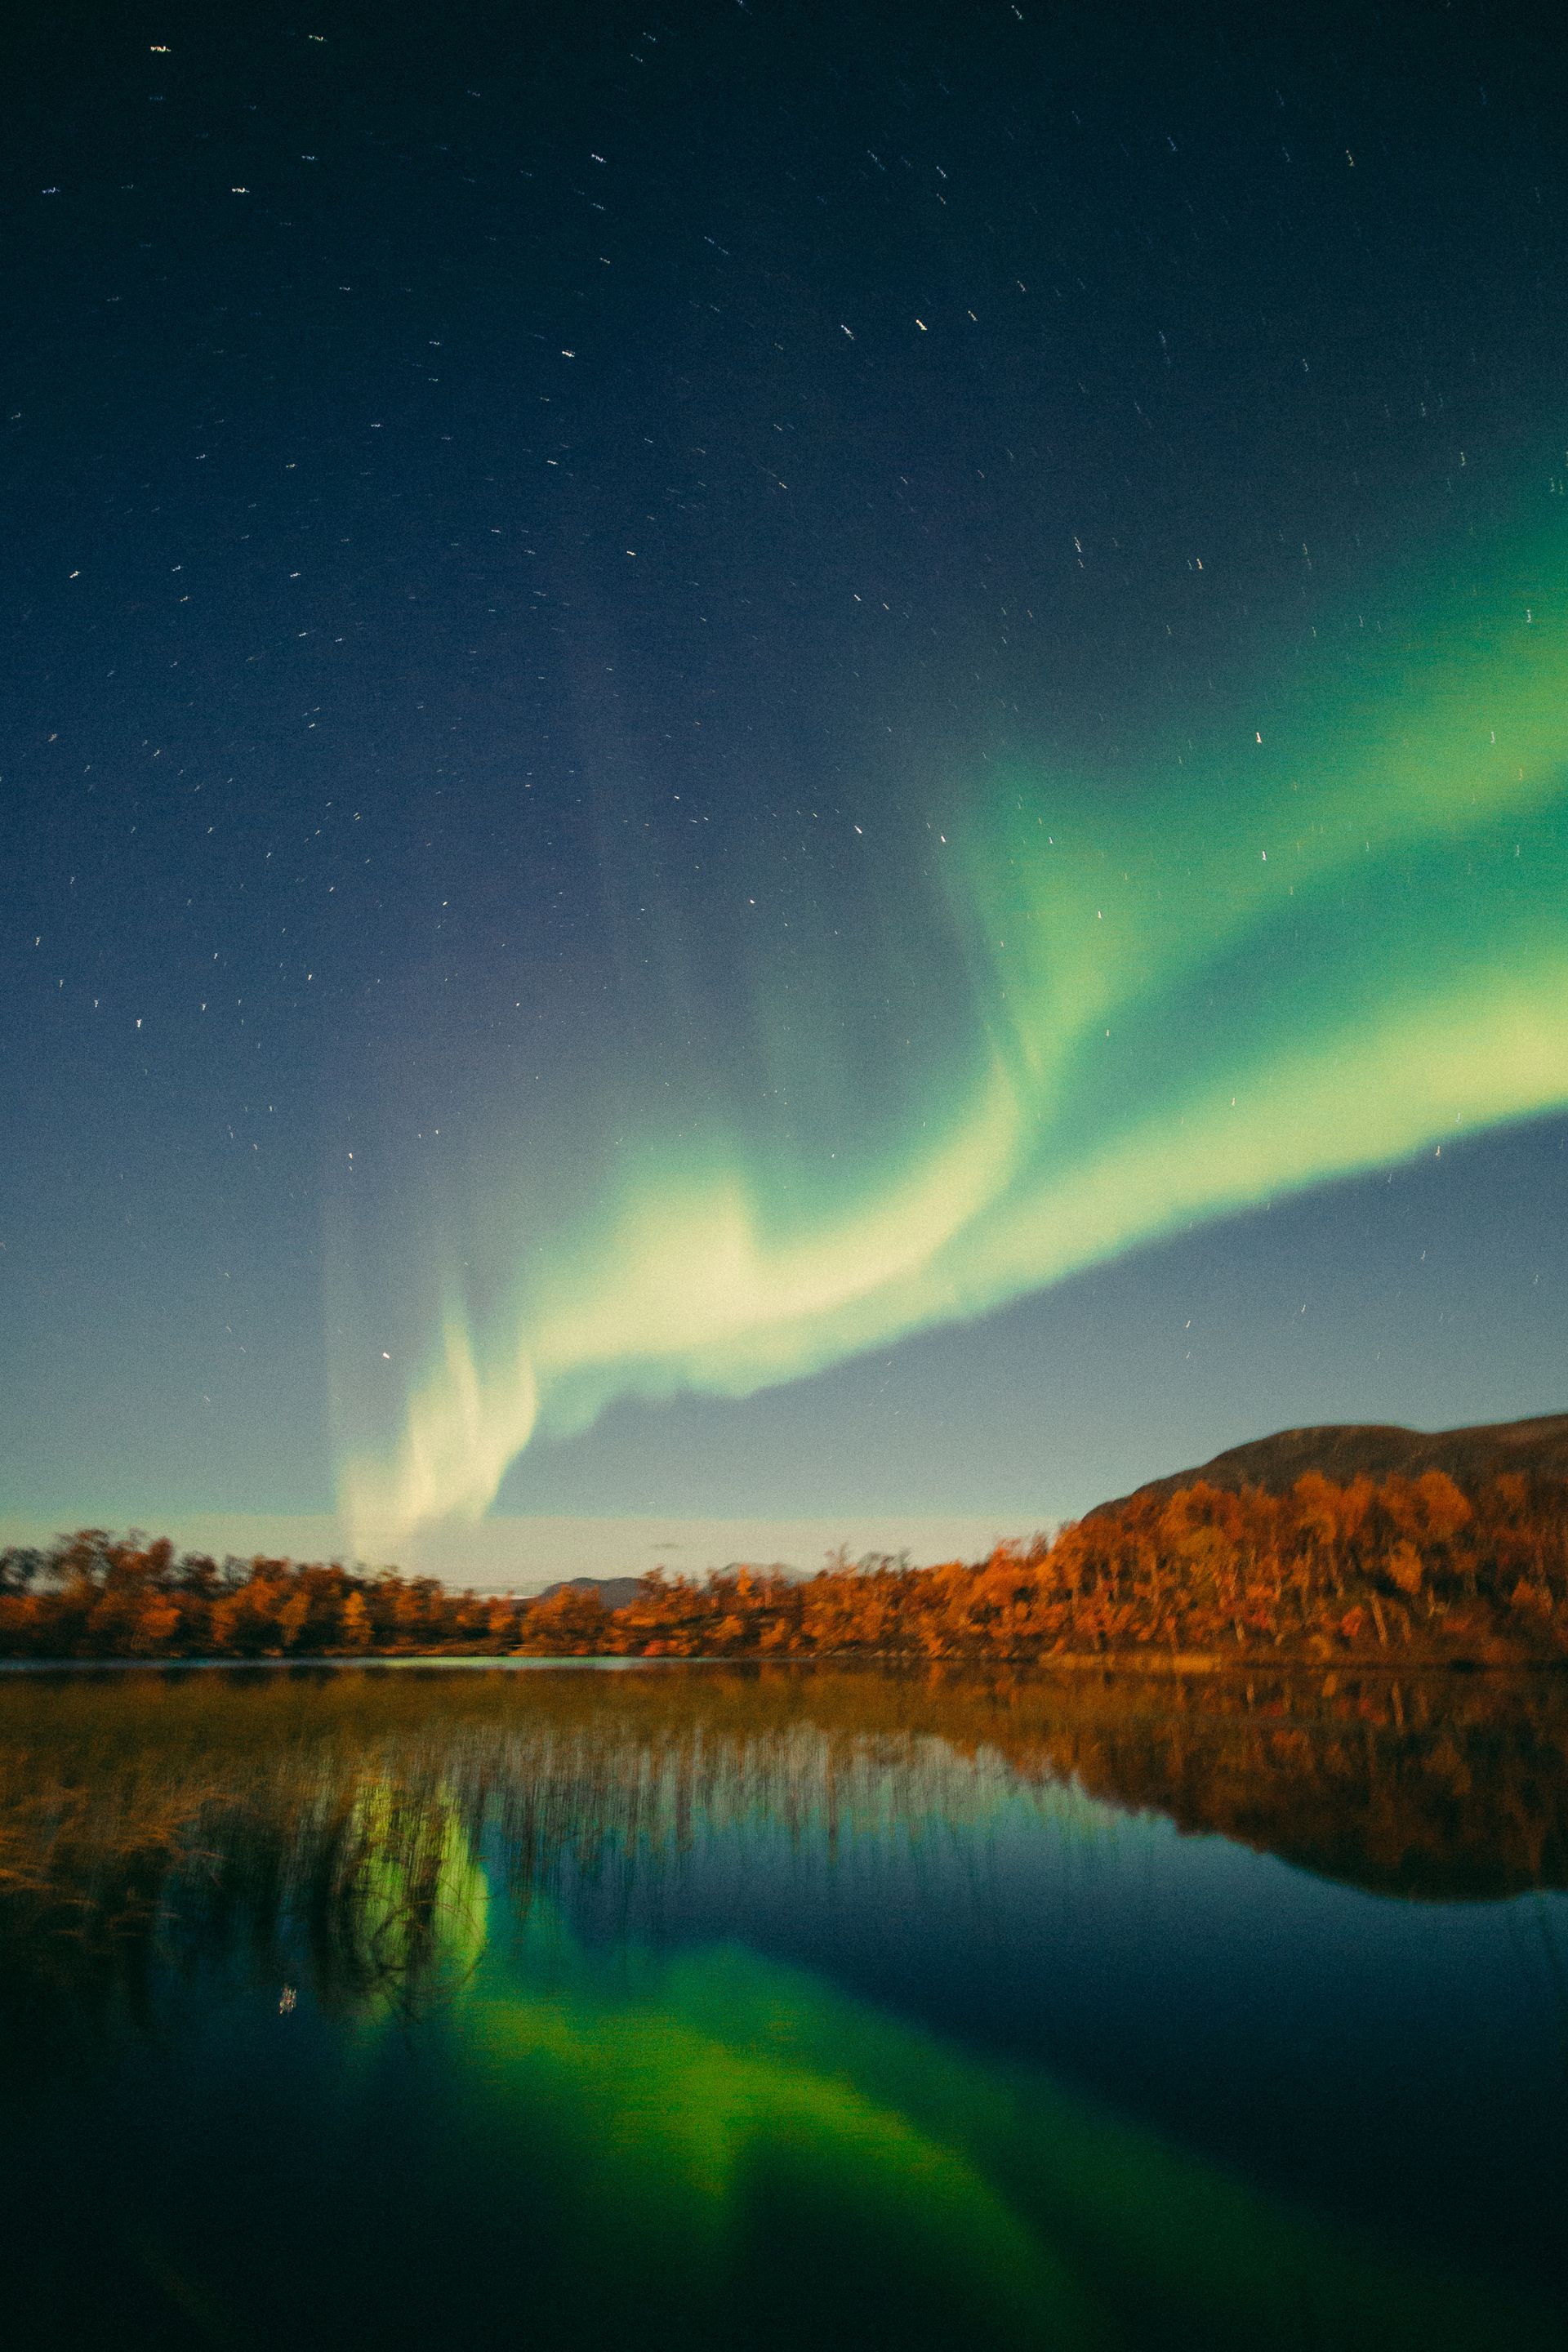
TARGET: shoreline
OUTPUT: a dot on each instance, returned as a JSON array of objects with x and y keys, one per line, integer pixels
[{"x": 1177, "y": 1666}]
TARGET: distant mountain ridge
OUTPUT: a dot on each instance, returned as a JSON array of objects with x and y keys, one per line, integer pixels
[
  {"x": 615, "y": 1591},
  {"x": 1345, "y": 1450}
]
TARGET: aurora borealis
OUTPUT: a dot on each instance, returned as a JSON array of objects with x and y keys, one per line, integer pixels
[
  {"x": 783, "y": 782},
  {"x": 775, "y": 768},
  {"x": 1165, "y": 1023}
]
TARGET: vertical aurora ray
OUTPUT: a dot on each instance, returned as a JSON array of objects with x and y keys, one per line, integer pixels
[{"x": 1330, "y": 943}]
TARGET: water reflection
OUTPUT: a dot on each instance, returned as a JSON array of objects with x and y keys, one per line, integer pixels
[{"x": 456, "y": 1882}]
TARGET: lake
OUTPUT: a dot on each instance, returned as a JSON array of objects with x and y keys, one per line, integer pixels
[{"x": 704, "y": 2007}]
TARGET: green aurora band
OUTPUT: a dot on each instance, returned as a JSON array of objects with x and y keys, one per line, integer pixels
[{"x": 1330, "y": 942}]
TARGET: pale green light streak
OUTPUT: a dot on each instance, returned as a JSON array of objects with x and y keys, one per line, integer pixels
[
  {"x": 696, "y": 2096},
  {"x": 1303, "y": 956}
]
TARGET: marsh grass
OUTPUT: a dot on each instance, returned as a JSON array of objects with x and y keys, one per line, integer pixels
[{"x": 162, "y": 1819}]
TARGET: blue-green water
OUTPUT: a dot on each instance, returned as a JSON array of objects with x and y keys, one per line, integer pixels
[{"x": 706, "y": 2009}]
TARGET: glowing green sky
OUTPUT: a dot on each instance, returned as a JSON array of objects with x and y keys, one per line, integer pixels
[
  {"x": 796, "y": 800},
  {"x": 1296, "y": 948}
]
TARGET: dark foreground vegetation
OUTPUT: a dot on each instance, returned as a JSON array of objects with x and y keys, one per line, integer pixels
[{"x": 1407, "y": 1569}]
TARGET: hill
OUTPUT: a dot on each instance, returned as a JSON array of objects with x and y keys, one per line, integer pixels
[
  {"x": 1325, "y": 1547},
  {"x": 1346, "y": 1450},
  {"x": 614, "y": 1592}
]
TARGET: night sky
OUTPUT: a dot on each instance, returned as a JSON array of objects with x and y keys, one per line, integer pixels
[{"x": 773, "y": 761}]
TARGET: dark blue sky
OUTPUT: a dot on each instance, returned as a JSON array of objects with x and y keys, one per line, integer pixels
[{"x": 528, "y": 528}]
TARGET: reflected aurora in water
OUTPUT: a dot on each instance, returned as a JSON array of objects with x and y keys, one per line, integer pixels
[
  {"x": 577, "y": 2033},
  {"x": 710, "y": 2100}
]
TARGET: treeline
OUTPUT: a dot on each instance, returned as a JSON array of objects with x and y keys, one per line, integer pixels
[
  {"x": 1411, "y": 1568},
  {"x": 1374, "y": 1571},
  {"x": 102, "y": 1596}
]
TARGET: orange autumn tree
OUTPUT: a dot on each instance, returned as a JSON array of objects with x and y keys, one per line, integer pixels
[
  {"x": 1397, "y": 1568},
  {"x": 97, "y": 1595}
]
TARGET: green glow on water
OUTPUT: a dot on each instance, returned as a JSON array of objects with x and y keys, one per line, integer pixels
[
  {"x": 716, "y": 2103},
  {"x": 755, "y": 2134},
  {"x": 1324, "y": 943},
  {"x": 369, "y": 2011}
]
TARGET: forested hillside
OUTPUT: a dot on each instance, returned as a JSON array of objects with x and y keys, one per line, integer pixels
[{"x": 1404, "y": 1569}]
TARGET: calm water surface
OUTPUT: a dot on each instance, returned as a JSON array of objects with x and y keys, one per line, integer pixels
[{"x": 784, "y": 2008}]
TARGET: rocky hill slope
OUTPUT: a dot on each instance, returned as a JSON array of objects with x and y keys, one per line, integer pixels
[{"x": 1345, "y": 1450}]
